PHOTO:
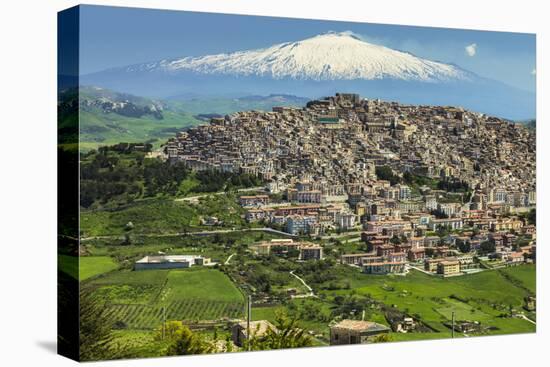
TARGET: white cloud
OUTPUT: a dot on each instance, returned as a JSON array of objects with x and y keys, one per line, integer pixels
[
  {"x": 534, "y": 71},
  {"x": 471, "y": 49}
]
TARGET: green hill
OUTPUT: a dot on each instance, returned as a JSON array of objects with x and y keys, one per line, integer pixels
[{"x": 108, "y": 117}]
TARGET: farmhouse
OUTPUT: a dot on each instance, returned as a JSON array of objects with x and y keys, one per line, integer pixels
[
  {"x": 355, "y": 332},
  {"x": 171, "y": 262}
]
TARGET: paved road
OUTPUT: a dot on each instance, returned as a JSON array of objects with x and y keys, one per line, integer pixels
[
  {"x": 344, "y": 234},
  {"x": 195, "y": 198},
  {"x": 201, "y": 233}
]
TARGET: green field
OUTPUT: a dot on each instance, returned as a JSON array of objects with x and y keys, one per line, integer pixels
[
  {"x": 524, "y": 274},
  {"x": 486, "y": 297},
  {"x": 98, "y": 128},
  {"x": 137, "y": 298},
  {"x": 86, "y": 266},
  {"x": 94, "y": 265}
]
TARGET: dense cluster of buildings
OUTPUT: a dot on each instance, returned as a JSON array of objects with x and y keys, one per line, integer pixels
[{"x": 400, "y": 173}]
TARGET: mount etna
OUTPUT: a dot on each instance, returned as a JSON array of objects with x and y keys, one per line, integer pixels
[{"x": 320, "y": 66}]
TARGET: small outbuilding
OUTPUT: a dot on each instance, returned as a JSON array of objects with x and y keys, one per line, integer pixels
[
  {"x": 239, "y": 331},
  {"x": 355, "y": 332}
]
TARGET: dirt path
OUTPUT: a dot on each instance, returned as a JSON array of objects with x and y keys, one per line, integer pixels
[{"x": 310, "y": 294}]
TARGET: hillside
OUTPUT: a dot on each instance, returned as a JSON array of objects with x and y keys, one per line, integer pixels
[{"x": 108, "y": 117}]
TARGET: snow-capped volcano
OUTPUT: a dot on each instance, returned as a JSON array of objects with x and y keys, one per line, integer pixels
[
  {"x": 317, "y": 67},
  {"x": 330, "y": 56}
]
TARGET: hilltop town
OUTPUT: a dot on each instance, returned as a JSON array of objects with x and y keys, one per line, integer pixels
[
  {"x": 362, "y": 220},
  {"x": 398, "y": 173}
]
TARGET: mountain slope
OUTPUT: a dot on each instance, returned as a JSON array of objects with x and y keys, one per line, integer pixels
[
  {"x": 331, "y": 56},
  {"x": 320, "y": 66}
]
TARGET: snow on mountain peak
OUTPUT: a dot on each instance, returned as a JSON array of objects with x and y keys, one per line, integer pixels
[{"x": 329, "y": 56}]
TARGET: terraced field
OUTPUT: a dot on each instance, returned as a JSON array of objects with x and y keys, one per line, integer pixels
[
  {"x": 137, "y": 298},
  {"x": 142, "y": 317}
]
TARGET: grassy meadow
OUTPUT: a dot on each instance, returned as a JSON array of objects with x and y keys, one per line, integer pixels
[{"x": 86, "y": 267}]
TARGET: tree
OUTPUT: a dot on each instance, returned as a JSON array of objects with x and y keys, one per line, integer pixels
[
  {"x": 386, "y": 173},
  {"x": 395, "y": 240},
  {"x": 532, "y": 216},
  {"x": 182, "y": 341},
  {"x": 286, "y": 335},
  {"x": 95, "y": 335},
  {"x": 408, "y": 178},
  {"x": 463, "y": 246},
  {"x": 382, "y": 338},
  {"x": 487, "y": 247}
]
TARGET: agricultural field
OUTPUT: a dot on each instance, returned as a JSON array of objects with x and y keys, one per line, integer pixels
[
  {"x": 487, "y": 297},
  {"x": 138, "y": 299},
  {"x": 94, "y": 265},
  {"x": 524, "y": 274},
  {"x": 86, "y": 266}
]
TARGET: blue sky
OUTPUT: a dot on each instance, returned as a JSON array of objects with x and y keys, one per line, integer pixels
[{"x": 112, "y": 36}]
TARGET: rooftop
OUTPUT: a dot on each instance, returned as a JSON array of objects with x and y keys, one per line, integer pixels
[
  {"x": 168, "y": 258},
  {"x": 359, "y": 325}
]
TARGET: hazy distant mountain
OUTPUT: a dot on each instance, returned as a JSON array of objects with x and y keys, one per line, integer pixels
[
  {"x": 320, "y": 66},
  {"x": 205, "y": 106},
  {"x": 107, "y": 117}
]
